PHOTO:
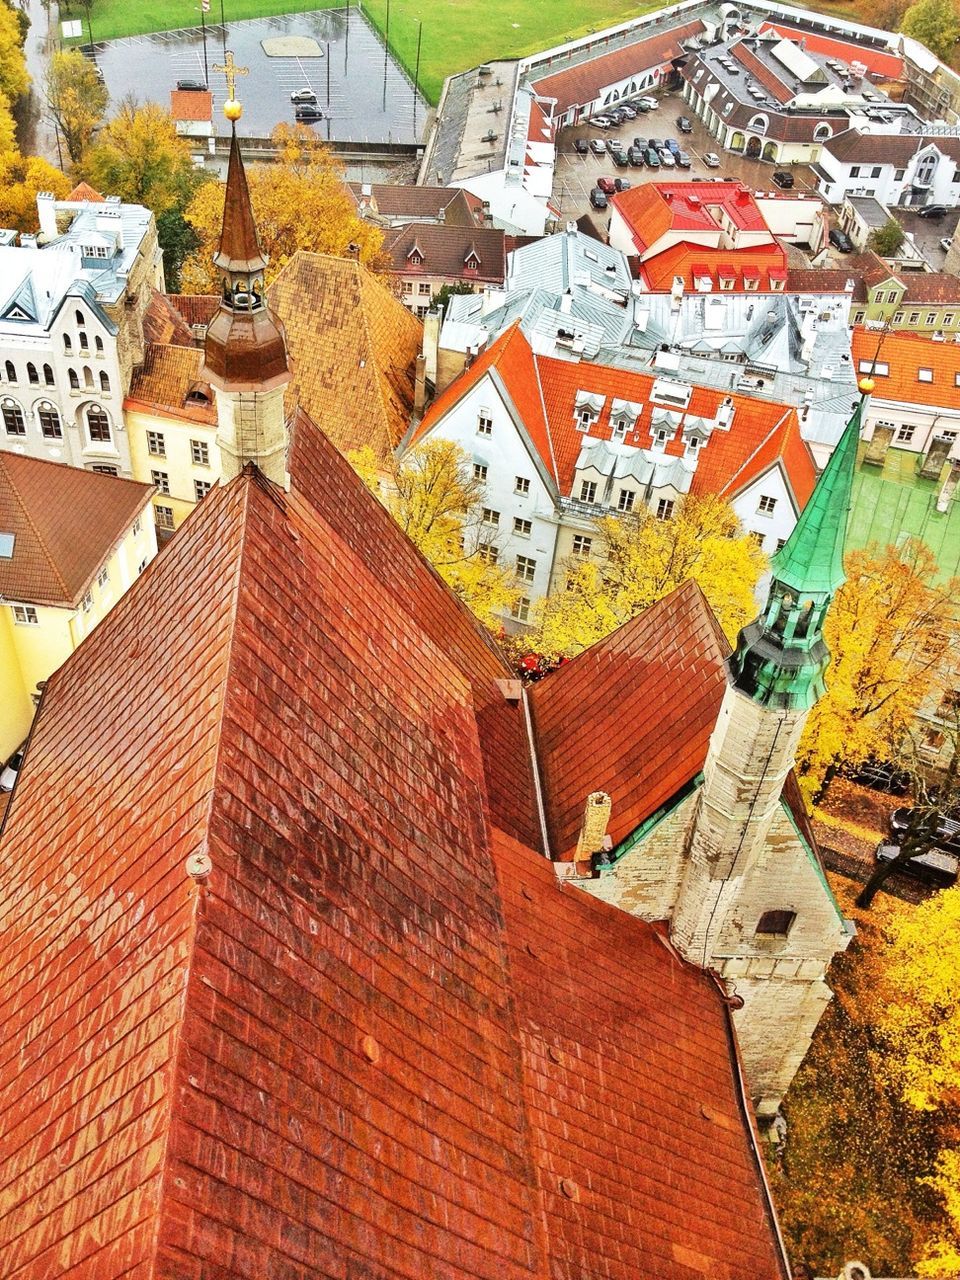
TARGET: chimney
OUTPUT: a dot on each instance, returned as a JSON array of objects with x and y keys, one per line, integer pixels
[
  {"x": 935, "y": 457},
  {"x": 879, "y": 444},
  {"x": 593, "y": 832},
  {"x": 442, "y": 214},
  {"x": 949, "y": 487},
  {"x": 431, "y": 343},
  {"x": 725, "y": 413},
  {"x": 47, "y": 213},
  {"x": 420, "y": 387},
  {"x": 110, "y": 222},
  {"x": 27, "y": 241}
]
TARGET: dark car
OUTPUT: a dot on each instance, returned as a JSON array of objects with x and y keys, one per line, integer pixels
[
  {"x": 933, "y": 211},
  {"x": 684, "y": 125},
  {"x": 643, "y": 107},
  {"x": 303, "y": 95},
  {"x": 307, "y": 112},
  {"x": 598, "y": 198},
  {"x": 606, "y": 185},
  {"x": 880, "y": 775},
  {"x": 946, "y": 831},
  {"x": 629, "y": 110},
  {"x": 622, "y": 184},
  {"x": 841, "y": 241},
  {"x": 655, "y": 143},
  {"x": 618, "y": 114},
  {"x": 936, "y": 866},
  {"x": 783, "y": 179},
  {"x": 635, "y": 156},
  {"x": 192, "y": 86},
  {"x": 581, "y": 146},
  {"x": 672, "y": 145},
  {"x": 684, "y": 161},
  {"x": 620, "y": 159},
  {"x": 653, "y": 159}
]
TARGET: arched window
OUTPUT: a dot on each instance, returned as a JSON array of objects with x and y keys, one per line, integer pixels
[
  {"x": 759, "y": 123},
  {"x": 87, "y": 376},
  {"x": 49, "y": 421},
  {"x": 98, "y": 344},
  {"x": 48, "y": 375},
  {"x": 11, "y": 372},
  {"x": 13, "y": 419},
  {"x": 78, "y": 316},
  {"x": 104, "y": 382},
  {"x": 74, "y": 380},
  {"x": 32, "y": 376},
  {"x": 822, "y": 132},
  {"x": 67, "y": 344},
  {"x": 84, "y": 345},
  {"x": 98, "y": 424}
]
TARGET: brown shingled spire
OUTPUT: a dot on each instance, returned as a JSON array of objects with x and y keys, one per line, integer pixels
[{"x": 239, "y": 248}]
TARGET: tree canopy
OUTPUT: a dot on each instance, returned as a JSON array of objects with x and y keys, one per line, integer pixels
[
  {"x": 21, "y": 179},
  {"x": 888, "y": 239},
  {"x": 139, "y": 157},
  {"x": 14, "y": 79},
  {"x": 76, "y": 99},
  {"x": 934, "y": 23}
]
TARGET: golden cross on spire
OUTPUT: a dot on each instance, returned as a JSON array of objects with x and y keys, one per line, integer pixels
[{"x": 231, "y": 71}]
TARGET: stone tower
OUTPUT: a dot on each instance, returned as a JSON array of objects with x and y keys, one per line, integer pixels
[{"x": 245, "y": 353}]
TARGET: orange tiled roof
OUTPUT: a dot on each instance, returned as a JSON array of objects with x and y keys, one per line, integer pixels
[
  {"x": 169, "y": 383},
  {"x": 191, "y": 104},
  {"x": 65, "y": 523},
  {"x": 326, "y": 1039},
  {"x": 83, "y": 191},
  {"x": 163, "y": 322},
  {"x": 904, "y": 355},
  {"x": 445, "y": 248},
  {"x": 195, "y": 308},
  {"x": 880, "y": 61},
  {"x": 766, "y": 262},
  {"x": 353, "y": 349}
]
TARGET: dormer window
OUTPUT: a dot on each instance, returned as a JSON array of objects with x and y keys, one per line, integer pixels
[
  {"x": 693, "y": 444},
  {"x": 587, "y": 409},
  {"x": 415, "y": 256},
  {"x": 660, "y": 438},
  {"x": 620, "y": 427}
]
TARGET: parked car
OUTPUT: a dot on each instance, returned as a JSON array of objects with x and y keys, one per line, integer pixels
[
  {"x": 655, "y": 143},
  {"x": 10, "y": 770},
  {"x": 303, "y": 95},
  {"x": 635, "y": 156},
  {"x": 192, "y": 86},
  {"x": 620, "y": 159},
  {"x": 684, "y": 161},
  {"x": 946, "y": 829},
  {"x": 672, "y": 145},
  {"x": 598, "y": 198},
  {"x": 880, "y": 775},
  {"x": 617, "y": 116},
  {"x": 602, "y": 122},
  {"x": 684, "y": 125},
  {"x": 581, "y": 146},
  {"x": 598, "y": 146},
  {"x": 945, "y": 243},
  {"x": 783, "y": 179},
  {"x": 629, "y": 110},
  {"x": 653, "y": 159},
  {"x": 711, "y": 160},
  {"x": 652, "y": 103},
  {"x": 622, "y": 184},
  {"x": 666, "y": 158},
  {"x": 308, "y": 112},
  {"x": 840, "y": 240},
  {"x": 933, "y": 211},
  {"x": 607, "y": 185},
  {"x": 936, "y": 866},
  {"x": 643, "y": 106},
  {"x": 614, "y": 144}
]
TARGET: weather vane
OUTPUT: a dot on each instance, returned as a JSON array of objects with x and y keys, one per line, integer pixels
[{"x": 231, "y": 108}]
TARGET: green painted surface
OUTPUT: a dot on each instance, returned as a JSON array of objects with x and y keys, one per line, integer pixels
[{"x": 892, "y": 502}]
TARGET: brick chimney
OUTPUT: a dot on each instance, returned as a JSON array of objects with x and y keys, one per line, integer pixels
[{"x": 593, "y": 831}]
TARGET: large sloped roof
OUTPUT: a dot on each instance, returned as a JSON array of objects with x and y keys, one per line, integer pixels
[
  {"x": 353, "y": 349},
  {"x": 65, "y": 523},
  {"x": 164, "y": 382},
  {"x": 324, "y": 1049}
]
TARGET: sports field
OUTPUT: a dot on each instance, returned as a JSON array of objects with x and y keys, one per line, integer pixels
[{"x": 456, "y": 33}]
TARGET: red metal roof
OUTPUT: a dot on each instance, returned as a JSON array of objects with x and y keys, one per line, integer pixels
[
  {"x": 883, "y": 64},
  {"x": 763, "y": 262},
  {"x": 654, "y": 208}
]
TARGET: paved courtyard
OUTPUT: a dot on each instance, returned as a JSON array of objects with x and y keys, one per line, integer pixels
[{"x": 364, "y": 94}]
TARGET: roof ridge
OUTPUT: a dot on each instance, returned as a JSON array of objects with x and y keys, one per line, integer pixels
[
  {"x": 769, "y": 436},
  {"x": 546, "y": 417},
  {"x": 41, "y": 541},
  {"x": 372, "y": 350}
]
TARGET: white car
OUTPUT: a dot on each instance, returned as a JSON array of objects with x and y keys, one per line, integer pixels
[
  {"x": 667, "y": 158},
  {"x": 711, "y": 160},
  {"x": 652, "y": 103},
  {"x": 602, "y": 122},
  {"x": 945, "y": 244}
]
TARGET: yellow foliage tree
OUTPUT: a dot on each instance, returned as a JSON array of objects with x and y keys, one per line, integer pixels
[
  {"x": 299, "y": 202},
  {"x": 888, "y": 630},
  {"x": 21, "y": 178},
  {"x": 941, "y": 1257},
  {"x": 14, "y": 80},
  {"x": 436, "y": 501},
  {"x": 139, "y": 157},
  {"x": 640, "y": 560},
  {"x": 8, "y": 128},
  {"x": 76, "y": 99}
]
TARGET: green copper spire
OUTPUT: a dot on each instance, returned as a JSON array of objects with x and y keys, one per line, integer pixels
[{"x": 781, "y": 657}]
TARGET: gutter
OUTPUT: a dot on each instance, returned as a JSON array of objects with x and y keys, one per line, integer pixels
[{"x": 535, "y": 770}]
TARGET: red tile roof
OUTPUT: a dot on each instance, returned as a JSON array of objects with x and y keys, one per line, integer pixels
[
  {"x": 196, "y": 308},
  {"x": 905, "y": 354},
  {"x": 581, "y": 84},
  {"x": 445, "y": 249},
  {"x": 84, "y": 191},
  {"x": 654, "y": 208},
  {"x": 765, "y": 262},
  {"x": 321, "y": 1044},
  {"x": 65, "y": 522},
  {"x": 163, "y": 321},
  {"x": 885, "y": 65},
  {"x": 191, "y": 105},
  {"x": 765, "y": 75},
  {"x": 168, "y": 383}
]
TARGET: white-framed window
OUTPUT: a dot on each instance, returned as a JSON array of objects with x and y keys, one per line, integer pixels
[
  {"x": 488, "y": 552},
  {"x": 13, "y": 419},
  {"x": 914, "y": 317},
  {"x": 522, "y": 528},
  {"x": 200, "y": 453},
  {"x": 103, "y": 577},
  {"x": 490, "y": 516},
  {"x": 104, "y": 469},
  {"x": 200, "y": 489},
  {"x": 766, "y": 506},
  {"x": 522, "y": 485},
  {"x": 526, "y": 568},
  {"x": 49, "y": 420},
  {"x": 86, "y": 604},
  {"x": 141, "y": 566},
  {"x": 620, "y": 427},
  {"x": 880, "y": 368},
  {"x": 893, "y": 297},
  {"x": 582, "y": 544},
  {"x": 164, "y": 516},
  {"x": 897, "y": 317},
  {"x": 931, "y": 317},
  {"x": 924, "y": 375},
  {"x": 162, "y": 480},
  {"x": 906, "y": 433},
  {"x": 588, "y": 491},
  {"x": 665, "y": 508},
  {"x": 480, "y": 471},
  {"x": 521, "y": 610},
  {"x": 948, "y": 319},
  {"x": 660, "y": 438},
  {"x": 137, "y": 525},
  {"x": 626, "y": 499},
  {"x": 25, "y": 615},
  {"x": 858, "y": 318},
  {"x": 98, "y": 425},
  {"x": 584, "y": 419},
  {"x": 156, "y": 444},
  {"x": 484, "y": 423}
]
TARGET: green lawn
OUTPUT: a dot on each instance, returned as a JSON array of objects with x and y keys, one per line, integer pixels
[{"x": 456, "y": 33}]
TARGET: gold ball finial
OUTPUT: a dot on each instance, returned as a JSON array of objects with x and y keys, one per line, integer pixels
[
  {"x": 866, "y": 385},
  {"x": 232, "y": 109}
]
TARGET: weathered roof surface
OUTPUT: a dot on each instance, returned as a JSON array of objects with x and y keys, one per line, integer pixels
[
  {"x": 191, "y": 105},
  {"x": 406, "y": 203},
  {"x": 631, "y": 716},
  {"x": 445, "y": 250},
  {"x": 904, "y": 355},
  {"x": 353, "y": 349},
  {"x": 239, "y": 246},
  {"x": 195, "y": 308},
  {"x": 878, "y": 60},
  {"x": 169, "y": 383},
  {"x": 317, "y": 1049},
  {"x": 163, "y": 322},
  {"x": 854, "y": 147},
  {"x": 65, "y": 523}
]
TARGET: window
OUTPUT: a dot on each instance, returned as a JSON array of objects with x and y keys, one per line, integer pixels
[
  {"x": 98, "y": 425},
  {"x": 767, "y": 505},
  {"x": 105, "y": 471},
  {"x": 103, "y": 577},
  {"x": 49, "y": 421},
  {"x": 98, "y": 344},
  {"x": 86, "y": 603},
  {"x": 156, "y": 444},
  {"x": 526, "y": 568},
  {"x": 480, "y": 471},
  {"x": 490, "y": 516},
  {"x": 78, "y": 317},
  {"x": 924, "y": 375},
  {"x": 855, "y": 171},
  {"x": 877, "y": 367},
  {"x": 67, "y": 344},
  {"x": 84, "y": 345},
  {"x": 11, "y": 371},
  {"x": 898, "y": 317},
  {"x": 892, "y": 297},
  {"x": 948, "y": 318},
  {"x": 200, "y": 453},
  {"x": 914, "y": 317},
  {"x": 665, "y": 508},
  {"x": 932, "y": 742},
  {"x": 13, "y": 419},
  {"x": 931, "y": 317},
  {"x": 424, "y": 288},
  {"x": 48, "y": 375},
  {"x": 626, "y": 500},
  {"x": 875, "y": 173},
  {"x": 522, "y": 528},
  {"x": 584, "y": 420},
  {"x": 581, "y": 544},
  {"x": 858, "y": 318},
  {"x": 32, "y": 376},
  {"x": 74, "y": 380},
  {"x": 776, "y": 924},
  {"x": 781, "y": 543},
  {"x": 906, "y": 433},
  {"x": 620, "y": 427},
  {"x": 521, "y": 610},
  {"x": 137, "y": 525},
  {"x": 162, "y": 480},
  {"x": 588, "y": 491},
  {"x": 25, "y": 615},
  {"x": 200, "y": 489},
  {"x": 164, "y": 516},
  {"x": 660, "y": 438},
  {"x": 484, "y": 423},
  {"x": 104, "y": 382},
  {"x": 488, "y": 552},
  {"x": 522, "y": 485},
  {"x": 143, "y": 563},
  {"x": 898, "y": 175}
]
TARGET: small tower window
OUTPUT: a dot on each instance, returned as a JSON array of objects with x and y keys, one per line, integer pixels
[
  {"x": 48, "y": 375},
  {"x": 104, "y": 382},
  {"x": 776, "y": 924},
  {"x": 74, "y": 380},
  {"x": 32, "y": 376},
  {"x": 98, "y": 344},
  {"x": 78, "y": 316}
]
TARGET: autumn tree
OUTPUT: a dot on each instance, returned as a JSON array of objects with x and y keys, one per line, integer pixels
[
  {"x": 8, "y": 128},
  {"x": 887, "y": 240},
  {"x": 299, "y": 202},
  {"x": 21, "y": 179},
  {"x": 76, "y": 99},
  {"x": 641, "y": 559},
  {"x": 14, "y": 80},
  {"x": 936, "y": 24},
  {"x": 434, "y": 498},
  {"x": 889, "y": 631}
]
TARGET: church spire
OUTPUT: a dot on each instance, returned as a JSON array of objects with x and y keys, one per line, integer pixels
[
  {"x": 781, "y": 657},
  {"x": 239, "y": 247}
]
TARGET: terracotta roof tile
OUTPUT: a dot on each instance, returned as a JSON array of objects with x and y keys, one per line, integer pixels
[
  {"x": 353, "y": 349},
  {"x": 887, "y": 148},
  {"x": 410, "y": 203},
  {"x": 766, "y": 262},
  {"x": 880, "y": 61},
  {"x": 84, "y": 191},
  {"x": 65, "y": 523},
  {"x": 169, "y": 382},
  {"x": 195, "y": 308},
  {"x": 163, "y": 322},
  {"x": 905, "y": 354},
  {"x": 445, "y": 249},
  {"x": 191, "y": 104},
  {"x": 930, "y": 286}
]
